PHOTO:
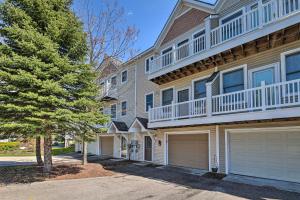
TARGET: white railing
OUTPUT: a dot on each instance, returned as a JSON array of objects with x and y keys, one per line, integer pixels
[
  {"x": 264, "y": 14},
  {"x": 193, "y": 47},
  {"x": 107, "y": 89},
  {"x": 265, "y": 97},
  {"x": 175, "y": 111},
  {"x": 277, "y": 95}
]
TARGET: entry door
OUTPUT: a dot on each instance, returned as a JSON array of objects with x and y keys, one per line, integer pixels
[
  {"x": 148, "y": 148},
  {"x": 183, "y": 108},
  {"x": 123, "y": 148}
]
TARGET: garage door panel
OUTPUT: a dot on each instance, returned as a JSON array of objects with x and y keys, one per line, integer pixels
[
  {"x": 271, "y": 154},
  {"x": 188, "y": 150},
  {"x": 107, "y": 146}
]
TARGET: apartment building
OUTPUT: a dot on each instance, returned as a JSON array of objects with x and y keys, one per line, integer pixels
[{"x": 219, "y": 89}]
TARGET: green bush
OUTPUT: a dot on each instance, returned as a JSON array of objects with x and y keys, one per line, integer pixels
[
  {"x": 60, "y": 151},
  {"x": 9, "y": 146}
]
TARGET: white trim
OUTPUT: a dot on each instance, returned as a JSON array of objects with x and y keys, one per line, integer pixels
[
  {"x": 247, "y": 130},
  {"x": 230, "y": 14},
  {"x": 181, "y": 89},
  {"x": 116, "y": 110},
  {"x": 166, "y": 143},
  {"x": 122, "y": 108},
  {"x": 167, "y": 88},
  {"x": 198, "y": 31},
  {"x": 184, "y": 12},
  {"x": 283, "y": 61},
  {"x": 131, "y": 130},
  {"x": 237, "y": 117},
  {"x": 250, "y": 36},
  {"x": 152, "y": 148},
  {"x": 193, "y": 85},
  {"x": 273, "y": 65},
  {"x": 126, "y": 138},
  {"x": 218, "y": 146},
  {"x": 182, "y": 40},
  {"x": 168, "y": 47},
  {"x": 125, "y": 70},
  {"x": 150, "y": 58},
  {"x": 145, "y": 100},
  {"x": 244, "y": 67},
  {"x": 135, "y": 90}
]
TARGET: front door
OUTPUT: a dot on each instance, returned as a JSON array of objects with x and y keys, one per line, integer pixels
[
  {"x": 123, "y": 147},
  {"x": 148, "y": 148},
  {"x": 182, "y": 110}
]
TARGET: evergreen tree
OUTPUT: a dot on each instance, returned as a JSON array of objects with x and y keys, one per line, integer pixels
[{"x": 44, "y": 86}]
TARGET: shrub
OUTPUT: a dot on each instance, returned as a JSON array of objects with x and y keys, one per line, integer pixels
[
  {"x": 61, "y": 151},
  {"x": 9, "y": 146}
]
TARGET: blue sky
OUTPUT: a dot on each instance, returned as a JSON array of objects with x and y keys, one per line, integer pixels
[{"x": 149, "y": 16}]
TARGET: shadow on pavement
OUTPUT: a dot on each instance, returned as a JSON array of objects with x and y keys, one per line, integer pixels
[{"x": 171, "y": 175}]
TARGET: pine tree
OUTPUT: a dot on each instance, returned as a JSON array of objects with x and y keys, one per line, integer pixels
[{"x": 44, "y": 86}]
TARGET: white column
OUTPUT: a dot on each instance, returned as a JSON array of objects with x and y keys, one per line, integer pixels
[
  {"x": 263, "y": 95},
  {"x": 207, "y": 31},
  {"x": 209, "y": 99}
]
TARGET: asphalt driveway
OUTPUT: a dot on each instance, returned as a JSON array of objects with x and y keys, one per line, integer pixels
[{"x": 139, "y": 182}]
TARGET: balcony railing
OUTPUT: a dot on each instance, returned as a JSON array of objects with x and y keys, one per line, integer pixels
[
  {"x": 264, "y": 14},
  {"x": 107, "y": 89},
  {"x": 178, "y": 54},
  {"x": 263, "y": 98}
]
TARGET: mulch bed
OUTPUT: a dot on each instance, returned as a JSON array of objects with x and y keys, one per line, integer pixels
[
  {"x": 217, "y": 176},
  {"x": 30, "y": 174}
]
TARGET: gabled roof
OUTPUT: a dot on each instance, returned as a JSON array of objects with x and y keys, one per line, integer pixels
[
  {"x": 142, "y": 123},
  {"x": 117, "y": 127},
  {"x": 200, "y": 5}
]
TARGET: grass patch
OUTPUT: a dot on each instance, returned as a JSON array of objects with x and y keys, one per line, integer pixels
[{"x": 60, "y": 151}]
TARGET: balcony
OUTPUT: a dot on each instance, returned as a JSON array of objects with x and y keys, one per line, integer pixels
[
  {"x": 265, "y": 14},
  {"x": 217, "y": 108},
  {"x": 108, "y": 92}
]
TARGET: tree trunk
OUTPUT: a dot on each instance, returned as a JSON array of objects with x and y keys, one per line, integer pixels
[
  {"x": 47, "y": 153},
  {"x": 84, "y": 149},
  {"x": 38, "y": 153}
]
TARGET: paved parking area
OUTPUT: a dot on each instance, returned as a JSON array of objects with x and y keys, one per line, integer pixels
[{"x": 140, "y": 182}]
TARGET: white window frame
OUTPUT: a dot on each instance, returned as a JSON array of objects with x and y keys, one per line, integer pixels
[
  {"x": 226, "y": 16},
  {"x": 193, "y": 85},
  {"x": 170, "y": 46},
  {"x": 115, "y": 76},
  {"x": 181, "y": 89},
  {"x": 122, "y": 108},
  {"x": 114, "y": 104},
  {"x": 198, "y": 31},
  {"x": 273, "y": 65},
  {"x": 145, "y": 101},
  {"x": 161, "y": 96},
  {"x": 188, "y": 40},
  {"x": 148, "y": 58},
  {"x": 283, "y": 61},
  {"x": 122, "y": 76},
  {"x": 244, "y": 67}
]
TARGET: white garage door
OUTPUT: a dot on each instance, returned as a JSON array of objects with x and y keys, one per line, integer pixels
[{"x": 266, "y": 154}]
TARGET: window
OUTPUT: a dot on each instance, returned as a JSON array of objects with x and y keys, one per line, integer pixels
[
  {"x": 114, "y": 81},
  {"x": 200, "y": 89},
  {"x": 113, "y": 111},
  {"x": 233, "y": 81},
  {"x": 292, "y": 64},
  {"x": 124, "y": 108},
  {"x": 167, "y": 58},
  {"x": 167, "y": 97},
  {"x": 124, "y": 76},
  {"x": 147, "y": 63},
  {"x": 231, "y": 17},
  {"x": 149, "y": 101}
]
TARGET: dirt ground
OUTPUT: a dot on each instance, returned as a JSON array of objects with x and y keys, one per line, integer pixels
[{"x": 30, "y": 174}]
